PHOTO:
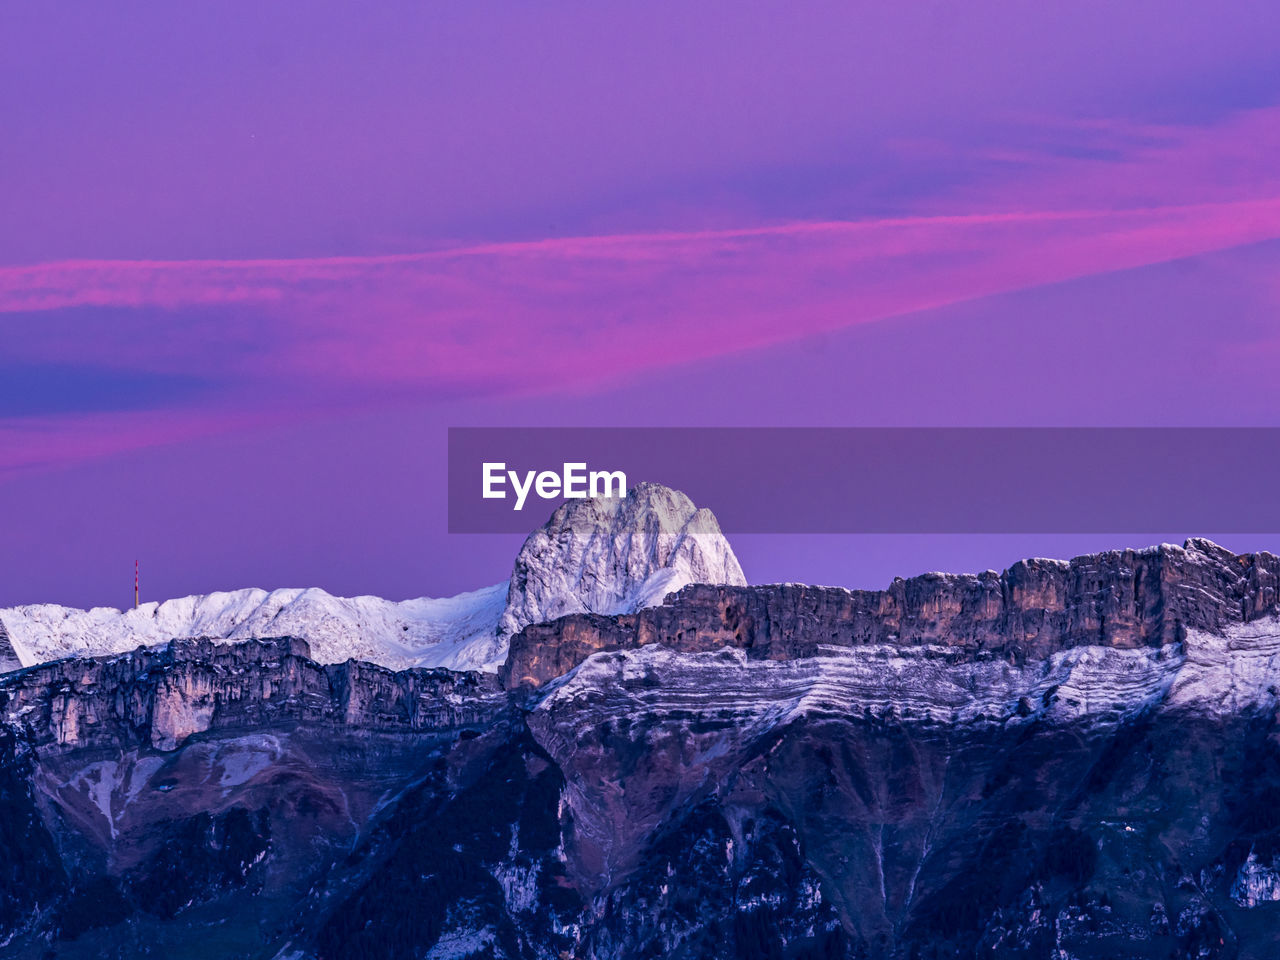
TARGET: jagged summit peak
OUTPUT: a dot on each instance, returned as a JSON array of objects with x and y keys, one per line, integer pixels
[
  {"x": 614, "y": 555},
  {"x": 1209, "y": 548}
]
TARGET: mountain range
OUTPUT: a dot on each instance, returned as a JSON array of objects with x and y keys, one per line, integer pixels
[
  {"x": 1070, "y": 760},
  {"x": 610, "y": 555}
]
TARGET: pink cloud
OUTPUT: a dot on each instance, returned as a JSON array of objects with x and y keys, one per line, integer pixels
[
  {"x": 585, "y": 308},
  {"x": 572, "y": 312},
  {"x": 1069, "y": 164}
]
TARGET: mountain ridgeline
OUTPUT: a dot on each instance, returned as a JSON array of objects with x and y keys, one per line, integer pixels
[
  {"x": 1124, "y": 599},
  {"x": 1069, "y": 760},
  {"x": 599, "y": 556}
]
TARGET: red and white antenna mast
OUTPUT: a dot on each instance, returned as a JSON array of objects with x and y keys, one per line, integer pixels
[{"x": 135, "y": 584}]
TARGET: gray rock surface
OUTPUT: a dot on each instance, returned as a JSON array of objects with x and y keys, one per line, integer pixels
[
  {"x": 1122, "y": 599},
  {"x": 616, "y": 555},
  {"x": 158, "y": 697},
  {"x": 8, "y": 656}
]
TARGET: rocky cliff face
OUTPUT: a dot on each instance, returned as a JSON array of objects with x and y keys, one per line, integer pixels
[
  {"x": 615, "y": 555},
  {"x": 160, "y": 696},
  {"x": 9, "y": 659},
  {"x": 1067, "y": 760},
  {"x": 173, "y": 800},
  {"x": 1122, "y": 599}
]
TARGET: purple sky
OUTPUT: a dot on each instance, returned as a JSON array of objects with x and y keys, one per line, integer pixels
[{"x": 257, "y": 257}]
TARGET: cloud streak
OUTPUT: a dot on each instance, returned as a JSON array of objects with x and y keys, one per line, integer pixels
[{"x": 294, "y": 337}]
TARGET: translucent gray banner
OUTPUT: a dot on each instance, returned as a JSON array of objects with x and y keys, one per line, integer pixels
[{"x": 884, "y": 479}]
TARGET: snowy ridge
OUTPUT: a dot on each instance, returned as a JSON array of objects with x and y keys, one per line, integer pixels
[
  {"x": 1206, "y": 673},
  {"x": 608, "y": 556},
  {"x": 421, "y": 632}
]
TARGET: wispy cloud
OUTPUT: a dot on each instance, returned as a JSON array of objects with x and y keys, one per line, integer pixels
[{"x": 544, "y": 315}]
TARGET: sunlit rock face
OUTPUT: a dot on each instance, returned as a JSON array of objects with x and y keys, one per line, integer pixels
[
  {"x": 616, "y": 555},
  {"x": 1067, "y": 760},
  {"x": 1130, "y": 599}
]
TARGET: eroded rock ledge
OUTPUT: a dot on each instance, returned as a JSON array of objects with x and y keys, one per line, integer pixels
[
  {"x": 159, "y": 696},
  {"x": 1122, "y": 599}
]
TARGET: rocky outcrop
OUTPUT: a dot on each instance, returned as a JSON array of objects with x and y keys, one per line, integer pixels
[
  {"x": 616, "y": 555},
  {"x": 1256, "y": 883},
  {"x": 8, "y": 655},
  {"x": 1121, "y": 599},
  {"x": 160, "y": 696}
]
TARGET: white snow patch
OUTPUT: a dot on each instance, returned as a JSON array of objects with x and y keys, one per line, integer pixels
[
  {"x": 1214, "y": 674},
  {"x": 1233, "y": 671},
  {"x": 101, "y": 782},
  {"x": 242, "y": 759},
  {"x": 519, "y": 881},
  {"x": 460, "y": 944}
]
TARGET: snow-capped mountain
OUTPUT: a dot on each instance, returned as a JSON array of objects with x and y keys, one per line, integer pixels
[
  {"x": 600, "y": 556},
  {"x": 616, "y": 556}
]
